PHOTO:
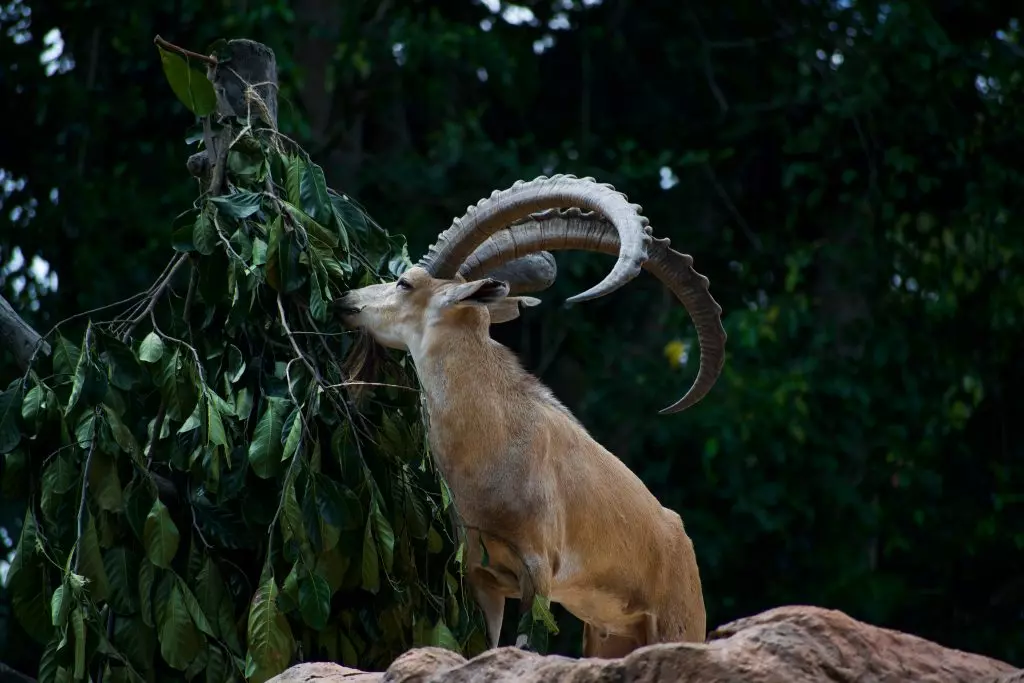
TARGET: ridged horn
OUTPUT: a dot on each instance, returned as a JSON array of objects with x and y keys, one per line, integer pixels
[
  {"x": 504, "y": 207},
  {"x": 583, "y": 230}
]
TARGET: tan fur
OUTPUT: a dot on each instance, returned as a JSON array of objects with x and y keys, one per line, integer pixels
[{"x": 559, "y": 515}]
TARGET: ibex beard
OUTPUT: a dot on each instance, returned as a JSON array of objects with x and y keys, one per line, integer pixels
[{"x": 557, "y": 514}]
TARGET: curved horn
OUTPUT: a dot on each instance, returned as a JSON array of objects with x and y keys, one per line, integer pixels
[
  {"x": 503, "y": 207},
  {"x": 530, "y": 273},
  {"x": 576, "y": 229}
]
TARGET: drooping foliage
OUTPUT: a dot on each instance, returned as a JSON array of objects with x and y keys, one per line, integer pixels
[{"x": 208, "y": 495}]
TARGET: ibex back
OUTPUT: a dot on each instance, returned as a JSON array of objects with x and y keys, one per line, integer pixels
[{"x": 557, "y": 513}]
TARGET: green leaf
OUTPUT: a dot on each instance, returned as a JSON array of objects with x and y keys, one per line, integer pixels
[
  {"x": 214, "y": 424},
  {"x": 33, "y": 404},
  {"x": 125, "y": 371},
  {"x": 265, "y": 447},
  {"x": 123, "y": 571},
  {"x": 371, "y": 565},
  {"x": 65, "y": 356},
  {"x": 91, "y": 563},
  {"x": 236, "y": 364},
  {"x": 541, "y": 611},
  {"x": 440, "y": 636},
  {"x": 259, "y": 252},
  {"x": 289, "y": 257},
  {"x": 204, "y": 234},
  {"x": 136, "y": 640},
  {"x": 26, "y": 582},
  {"x": 190, "y": 85},
  {"x": 151, "y": 349},
  {"x": 180, "y": 641},
  {"x": 78, "y": 628},
  {"x": 385, "y": 536},
  {"x": 195, "y": 611},
  {"x": 238, "y": 204},
  {"x": 291, "y": 443},
  {"x": 321, "y": 533},
  {"x": 104, "y": 483},
  {"x": 146, "y": 579},
  {"x": 10, "y": 408},
  {"x": 138, "y": 499},
  {"x": 217, "y": 667},
  {"x": 293, "y": 179},
  {"x": 216, "y": 603},
  {"x": 122, "y": 435},
  {"x": 48, "y": 663},
  {"x": 291, "y": 515},
  {"x": 86, "y": 429},
  {"x": 314, "y": 600},
  {"x": 160, "y": 536},
  {"x": 338, "y": 504},
  {"x": 317, "y": 301},
  {"x": 314, "y": 199},
  {"x": 60, "y": 605},
  {"x": 270, "y": 639}
]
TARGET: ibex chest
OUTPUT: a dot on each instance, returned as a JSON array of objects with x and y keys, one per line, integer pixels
[{"x": 492, "y": 482}]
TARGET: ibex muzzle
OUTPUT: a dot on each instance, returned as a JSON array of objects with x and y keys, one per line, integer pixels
[{"x": 558, "y": 514}]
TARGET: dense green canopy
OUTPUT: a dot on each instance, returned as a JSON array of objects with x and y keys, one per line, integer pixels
[{"x": 846, "y": 174}]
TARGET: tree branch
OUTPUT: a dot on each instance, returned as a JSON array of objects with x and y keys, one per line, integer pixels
[
  {"x": 18, "y": 337},
  {"x": 187, "y": 54},
  {"x": 9, "y": 675}
]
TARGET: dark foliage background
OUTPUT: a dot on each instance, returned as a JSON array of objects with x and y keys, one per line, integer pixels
[{"x": 845, "y": 172}]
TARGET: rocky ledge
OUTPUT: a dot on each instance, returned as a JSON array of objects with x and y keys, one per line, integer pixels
[{"x": 793, "y": 644}]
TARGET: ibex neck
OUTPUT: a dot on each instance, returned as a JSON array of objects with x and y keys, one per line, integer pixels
[
  {"x": 453, "y": 366},
  {"x": 472, "y": 386}
]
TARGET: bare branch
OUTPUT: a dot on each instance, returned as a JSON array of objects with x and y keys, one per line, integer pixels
[
  {"x": 18, "y": 337},
  {"x": 188, "y": 54},
  {"x": 158, "y": 290}
]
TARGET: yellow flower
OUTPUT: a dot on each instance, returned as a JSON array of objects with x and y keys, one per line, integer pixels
[{"x": 675, "y": 351}]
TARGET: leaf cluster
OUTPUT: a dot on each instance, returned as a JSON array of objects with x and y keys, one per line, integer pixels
[{"x": 209, "y": 498}]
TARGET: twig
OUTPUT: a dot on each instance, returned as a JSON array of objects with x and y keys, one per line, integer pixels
[
  {"x": 193, "y": 278},
  {"x": 188, "y": 54},
  {"x": 320, "y": 337},
  {"x": 195, "y": 524},
  {"x": 227, "y": 244},
  {"x": 295, "y": 345},
  {"x": 340, "y": 406},
  {"x": 85, "y": 489},
  {"x": 159, "y": 288},
  {"x": 13, "y": 675},
  {"x": 195, "y": 354},
  {"x": 370, "y": 384}
]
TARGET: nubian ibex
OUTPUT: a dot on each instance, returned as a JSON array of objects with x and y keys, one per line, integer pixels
[{"x": 557, "y": 514}]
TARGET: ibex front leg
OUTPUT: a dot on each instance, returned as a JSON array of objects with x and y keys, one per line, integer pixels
[{"x": 535, "y": 578}]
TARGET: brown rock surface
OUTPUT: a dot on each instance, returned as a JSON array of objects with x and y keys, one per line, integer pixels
[{"x": 793, "y": 644}]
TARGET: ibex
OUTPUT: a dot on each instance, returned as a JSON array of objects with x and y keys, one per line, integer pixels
[{"x": 558, "y": 514}]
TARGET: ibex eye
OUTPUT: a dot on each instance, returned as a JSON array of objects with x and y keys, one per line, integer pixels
[{"x": 403, "y": 284}]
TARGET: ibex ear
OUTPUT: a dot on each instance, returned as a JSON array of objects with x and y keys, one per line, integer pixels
[
  {"x": 486, "y": 291},
  {"x": 508, "y": 308}
]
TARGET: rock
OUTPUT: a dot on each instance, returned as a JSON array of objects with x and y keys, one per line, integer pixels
[
  {"x": 324, "y": 672},
  {"x": 793, "y": 644}
]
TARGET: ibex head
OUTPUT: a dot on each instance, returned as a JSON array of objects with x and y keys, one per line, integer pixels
[
  {"x": 500, "y": 246},
  {"x": 399, "y": 314}
]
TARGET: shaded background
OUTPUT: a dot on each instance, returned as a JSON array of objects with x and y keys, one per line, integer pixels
[{"x": 846, "y": 173}]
